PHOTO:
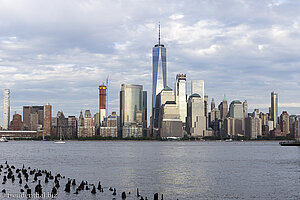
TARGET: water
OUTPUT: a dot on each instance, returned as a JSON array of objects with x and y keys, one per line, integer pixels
[{"x": 183, "y": 170}]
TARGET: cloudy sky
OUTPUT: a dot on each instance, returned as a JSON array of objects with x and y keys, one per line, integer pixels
[{"x": 60, "y": 51}]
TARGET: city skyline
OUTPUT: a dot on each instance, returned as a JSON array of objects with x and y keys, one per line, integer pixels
[{"x": 63, "y": 61}]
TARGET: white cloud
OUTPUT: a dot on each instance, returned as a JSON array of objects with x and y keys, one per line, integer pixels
[{"x": 176, "y": 16}]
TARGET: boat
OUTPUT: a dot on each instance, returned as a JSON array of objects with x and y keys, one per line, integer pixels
[
  {"x": 60, "y": 141},
  {"x": 290, "y": 143},
  {"x": 228, "y": 140},
  {"x": 3, "y": 139}
]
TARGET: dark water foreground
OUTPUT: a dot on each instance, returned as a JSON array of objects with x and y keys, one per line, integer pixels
[{"x": 183, "y": 170}]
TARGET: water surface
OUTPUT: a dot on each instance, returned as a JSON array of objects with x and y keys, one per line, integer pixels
[{"x": 183, "y": 170}]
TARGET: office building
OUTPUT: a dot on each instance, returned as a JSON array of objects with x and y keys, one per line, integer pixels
[
  {"x": 72, "y": 126},
  {"x": 180, "y": 96},
  {"x": 110, "y": 126},
  {"x": 145, "y": 114},
  {"x": 285, "y": 123},
  {"x": 274, "y": 109},
  {"x": 33, "y": 117},
  {"x": 236, "y": 110},
  {"x": 131, "y": 110},
  {"x": 196, "y": 121},
  {"x": 6, "y": 109},
  {"x": 212, "y": 104},
  {"x": 253, "y": 127},
  {"x": 223, "y": 107},
  {"x": 47, "y": 120},
  {"x": 159, "y": 70},
  {"x": 169, "y": 123},
  {"x": 245, "y": 108}
]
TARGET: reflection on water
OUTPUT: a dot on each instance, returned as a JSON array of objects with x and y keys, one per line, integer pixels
[{"x": 183, "y": 170}]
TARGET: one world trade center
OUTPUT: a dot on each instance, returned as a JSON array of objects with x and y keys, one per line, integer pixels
[{"x": 159, "y": 73}]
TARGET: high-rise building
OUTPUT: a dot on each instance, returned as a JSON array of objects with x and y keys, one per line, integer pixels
[
  {"x": 223, "y": 107},
  {"x": 212, "y": 104},
  {"x": 245, "y": 109},
  {"x": 110, "y": 127},
  {"x": 274, "y": 109},
  {"x": 169, "y": 123},
  {"x": 61, "y": 125},
  {"x": 206, "y": 109},
  {"x": 47, "y": 119},
  {"x": 72, "y": 126},
  {"x": 196, "y": 122},
  {"x": 131, "y": 110},
  {"x": 6, "y": 108},
  {"x": 285, "y": 123},
  {"x": 33, "y": 117},
  {"x": 180, "y": 96},
  {"x": 253, "y": 127},
  {"x": 102, "y": 102},
  {"x": 236, "y": 110},
  {"x": 198, "y": 88},
  {"x": 159, "y": 73},
  {"x": 145, "y": 113}
]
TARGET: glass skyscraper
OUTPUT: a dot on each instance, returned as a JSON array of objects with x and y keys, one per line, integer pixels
[{"x": 159, "y": 63}]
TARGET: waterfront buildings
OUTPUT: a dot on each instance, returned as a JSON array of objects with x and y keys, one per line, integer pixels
[
  {"x": 6, "y": 109},
  {"x": 274, "y": 109},
  {"x": 159, "y": 70},
  {"x": 180, "y": 96},
  {"x": 131, "y": 110}
]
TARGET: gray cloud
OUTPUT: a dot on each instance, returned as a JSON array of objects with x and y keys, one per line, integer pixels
[{"x": 60, "y": 51}]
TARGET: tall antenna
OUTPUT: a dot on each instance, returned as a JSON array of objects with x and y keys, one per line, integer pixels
[{"x": 158, "y": 33}]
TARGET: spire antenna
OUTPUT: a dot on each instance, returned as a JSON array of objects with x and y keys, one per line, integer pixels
[{"x": 158, "y": 33}]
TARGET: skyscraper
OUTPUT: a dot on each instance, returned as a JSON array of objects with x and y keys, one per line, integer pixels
[
  {"x": 274, "y": 108},
  {"x": 131, "y": 110},
  {"x": 180, "y": 95},
  {"x": 102, "y": 102},
  {"x": 159, "y": 73},
  {"x": 6, "y": 109}
]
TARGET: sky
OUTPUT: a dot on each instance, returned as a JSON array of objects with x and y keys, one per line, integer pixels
[{"x": 61, "y": 51}]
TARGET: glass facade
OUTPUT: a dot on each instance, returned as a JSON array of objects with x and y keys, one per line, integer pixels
[
  {"x": 131, "y": 110},
  {"x": 159, "y": 63}
]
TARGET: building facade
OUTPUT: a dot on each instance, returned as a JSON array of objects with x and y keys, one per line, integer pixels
[{"x": 6, "y": 109}]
